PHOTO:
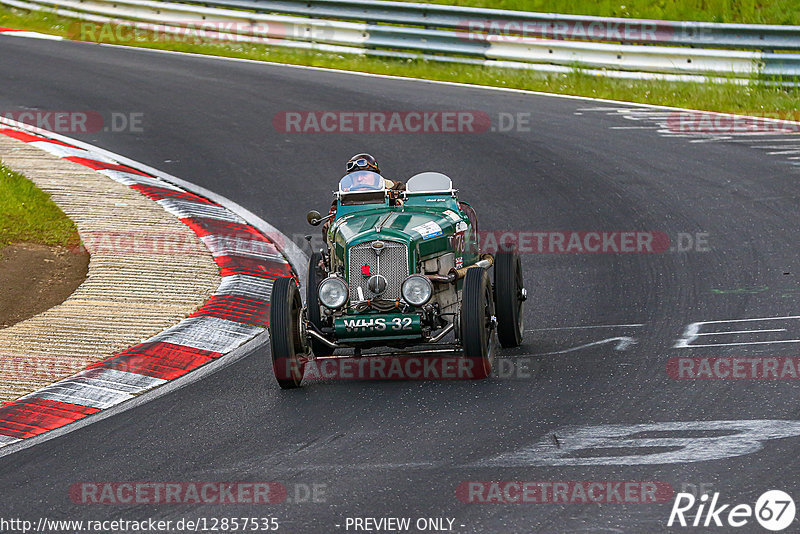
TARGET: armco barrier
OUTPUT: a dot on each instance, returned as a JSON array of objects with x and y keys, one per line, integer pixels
[
  {"x": 755, "y": 36},
  {"x": 617, "y": 47}
]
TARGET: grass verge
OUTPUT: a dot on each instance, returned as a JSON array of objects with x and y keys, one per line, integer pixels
[
  {"x": 757, "y": 98},
  {"x": 28, "y": 215}
]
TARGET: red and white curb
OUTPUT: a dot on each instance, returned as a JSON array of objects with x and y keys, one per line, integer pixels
[
  {"x": 32, "y": 35},
  {"x": 249, "y": 261}
]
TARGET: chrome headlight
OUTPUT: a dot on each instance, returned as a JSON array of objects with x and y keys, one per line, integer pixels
[
  {"x": 417, "y": 290},
  {"x": 332, "y": 293}
]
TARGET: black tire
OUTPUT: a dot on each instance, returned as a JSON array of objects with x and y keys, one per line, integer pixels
[
  {"x": 315, "y": 276},
  {"x": 509, "y": 298},
  {"x": 477, "y": 330},
  {"x": 288, "y": 346}
]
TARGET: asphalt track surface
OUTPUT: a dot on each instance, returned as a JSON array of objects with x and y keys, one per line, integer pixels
[{"x": 401, "y": 448}]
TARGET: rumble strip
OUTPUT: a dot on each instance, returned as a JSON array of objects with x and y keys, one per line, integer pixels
[{"x": 248, "y": 262}]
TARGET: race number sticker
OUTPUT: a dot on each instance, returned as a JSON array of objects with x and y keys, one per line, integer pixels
[
  {"x": 428, "y": 230},
  {"x": 458, "y": 242},
  {"x": 453, "y": 216}
]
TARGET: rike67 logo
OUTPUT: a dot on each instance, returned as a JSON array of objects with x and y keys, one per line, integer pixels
[{"x": 774, "y": 510}]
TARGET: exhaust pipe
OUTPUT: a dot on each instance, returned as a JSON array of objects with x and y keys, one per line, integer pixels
[
  {"x": 322, "y": 339},
  {"x": 440, "y": 335},
  {"x": 486, "y": 261}
]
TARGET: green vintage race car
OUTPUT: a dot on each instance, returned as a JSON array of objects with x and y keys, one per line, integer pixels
[{"x": 401, "y": 269}]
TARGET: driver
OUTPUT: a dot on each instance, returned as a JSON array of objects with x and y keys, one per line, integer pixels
[
  {"x": 362, "y": 180},
  {"x": 364, "y": 162},
  {"x": 366, "y": 179}
]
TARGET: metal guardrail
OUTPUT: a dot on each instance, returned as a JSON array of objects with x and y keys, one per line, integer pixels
[
  {"x": 546, "y": 25},
  {"x": 626, "y": 48}
]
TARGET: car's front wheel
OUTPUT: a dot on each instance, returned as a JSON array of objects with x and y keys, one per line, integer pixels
[
  {"x": 477, "y": 323},
  {"x": 286, "y": 338}
]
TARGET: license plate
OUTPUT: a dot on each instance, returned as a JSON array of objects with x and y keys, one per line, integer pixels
[{"x": 372, "y": 325}]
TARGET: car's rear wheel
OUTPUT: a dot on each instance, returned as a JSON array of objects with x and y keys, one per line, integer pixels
[
  {"x": 315, "y": 276},
  {"x": 509, "y": 294},
  {"x": 477, "y": 323},
  {"x": 286, "y": 338}
]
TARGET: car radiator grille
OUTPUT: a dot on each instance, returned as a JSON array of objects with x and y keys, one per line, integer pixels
[{"x": 393, "y": 266}]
